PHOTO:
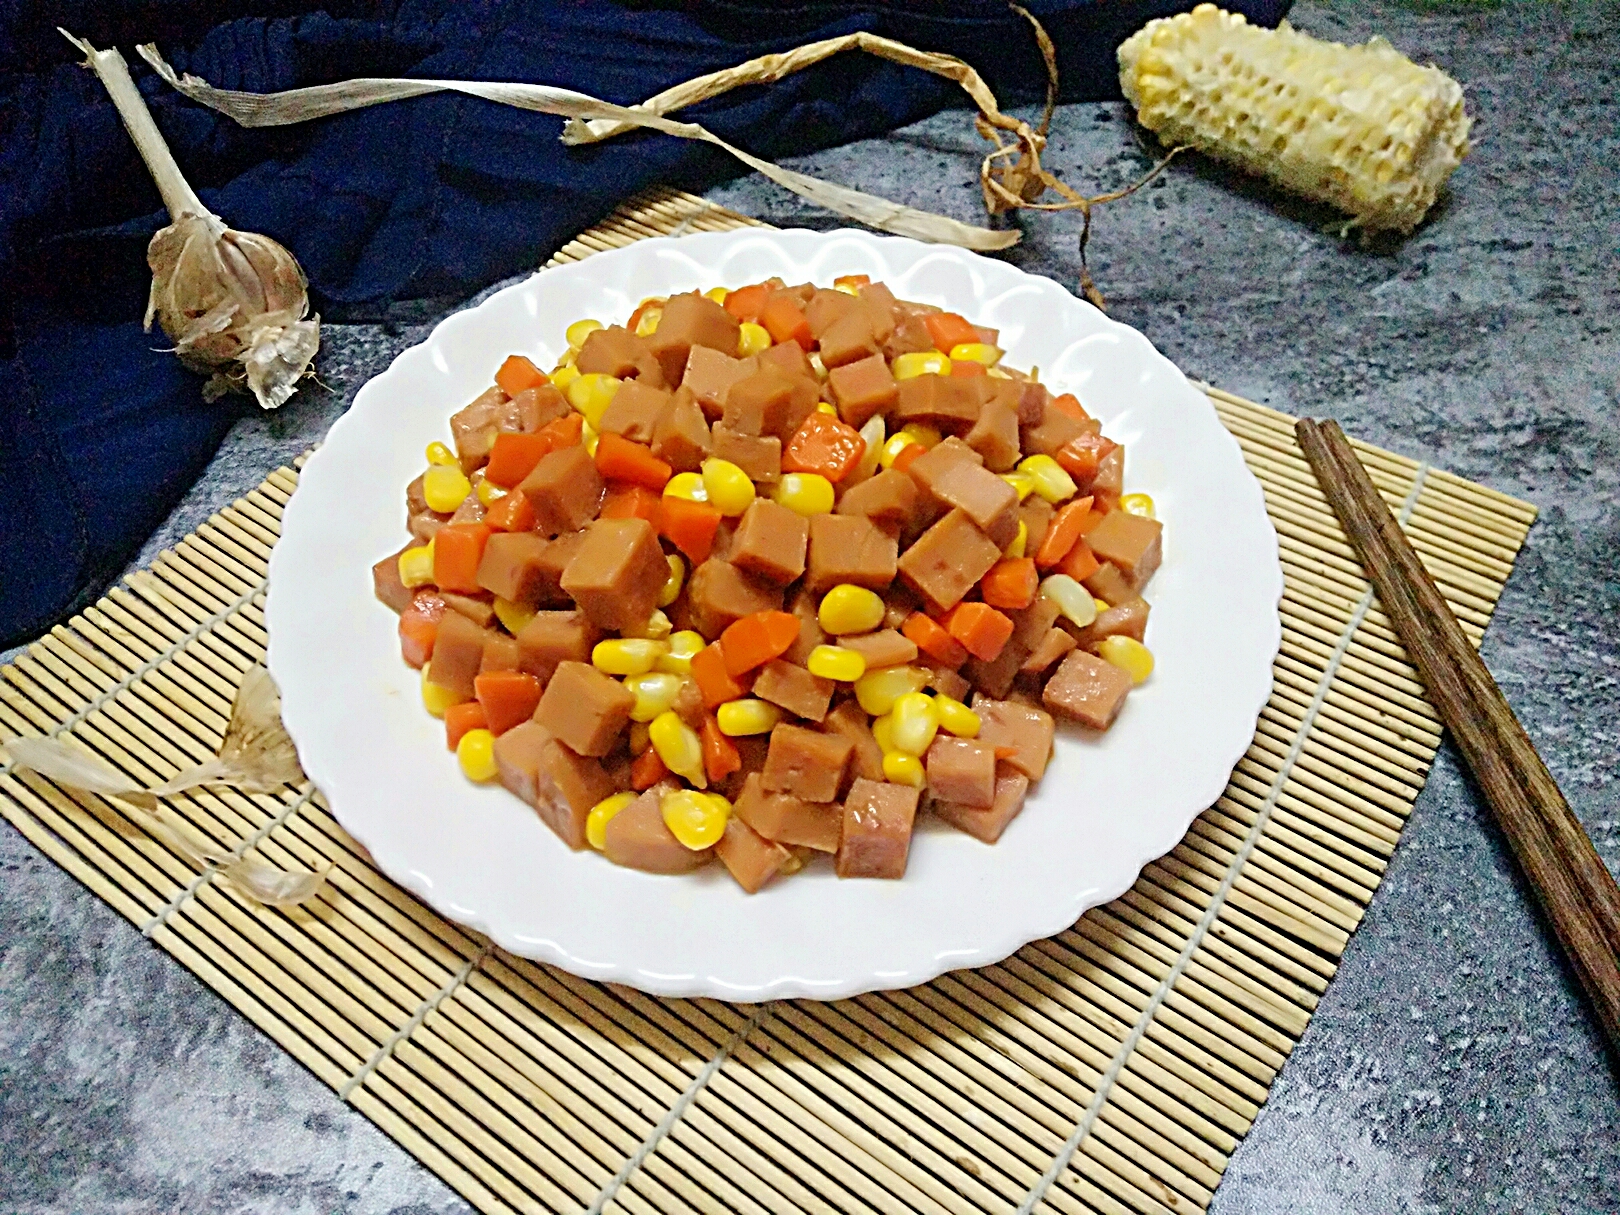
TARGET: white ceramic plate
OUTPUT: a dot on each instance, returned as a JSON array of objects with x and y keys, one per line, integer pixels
[{"x": 1107, "y": 806}]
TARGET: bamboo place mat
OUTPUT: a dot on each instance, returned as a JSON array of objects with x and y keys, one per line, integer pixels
[{"x": 1112, "y": 1068}]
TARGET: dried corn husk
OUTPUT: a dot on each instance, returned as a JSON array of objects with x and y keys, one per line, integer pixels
[
  {"x": 234, "y": 303},
  {"x": 1360, "y": 127},
  {"x": 256, "y": 756},
  {"x": 319, "y": 101}
]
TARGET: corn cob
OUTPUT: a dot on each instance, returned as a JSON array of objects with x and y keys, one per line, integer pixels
[{"x": 1360, "y": 127}]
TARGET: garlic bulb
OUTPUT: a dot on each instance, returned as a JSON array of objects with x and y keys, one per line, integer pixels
[{"x": 234, "y": 303}]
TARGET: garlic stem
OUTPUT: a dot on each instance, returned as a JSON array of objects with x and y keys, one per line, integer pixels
[{"x": 110, "y": 67}]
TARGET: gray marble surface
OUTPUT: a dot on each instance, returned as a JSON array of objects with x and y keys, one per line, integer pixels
[{"x": 1451, "y": 1065}]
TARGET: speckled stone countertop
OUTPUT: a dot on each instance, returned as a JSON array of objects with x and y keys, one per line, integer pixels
[{"x": 1451, "y": 1065}]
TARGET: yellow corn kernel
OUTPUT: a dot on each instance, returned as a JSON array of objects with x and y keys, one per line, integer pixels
[
  {"x": 956, "y": 718},
  {"x": 672, "y": 584},
  {"x": 1022, "y": 482},
  {"x": 679, "y": 746},
  {"x": 729, "y": 488},
  {"x": 647, "y": 323},
  {"x": 878, "y": 690},
  {"x": 925, "y": 434},
  {"x": 1100, "y": 604},
  {"x": 902, "y": 769},
  {"x": 640, "y": 737},
  {"x": 588, "y": 438},
  {"x": 850, "y": 609},
  {"x": 717, "y": 294},
  {"x": 976, "y": 352},
  {"x": 438, "y": 453},
  {"x": 476, "y": 751},
  {"x": 752, "y": 339},
  {"x": 925, "y": 362},
  {"x": 835, "y": 662},
  {"x": 445, "y": 487},
  {"x": 1072, "y": 599},
  {"x": 563, "y": 375},
  {"x": 488, "y": 492},
  {"x": 696, "y": 819},
  {"x": 873, "y": 434},
  {"x": 626, "y": 655},
  {"x": 818, "y": 368},
  {"x": 883, "y": 732},
  {"x": 655, "y": 628},
  {"x": 576, "y": 333},
  {"x": 416, "y": 565},
  {"x": 602, "y": 814},
  {"x": 437, "y": 698},
  {"x": 737, "y": 718},
  {"x": 916, "y": 721},
  {"x": 683, "y": 647},
  {"x": 1020, "y": 541},
  {"x": 804, "y": 493},
  {"x": 1137, "y": 504},
  {"x": 688, "y": 485},
  {"x": 591, "y": 394},
  {"x": 847, "y": 287},
  {"x": 896, "y": 444},
  {"x": 513, "y": 616},
  {"x": 1128, "y": 654},
  {"x": 655, "y": 693},
  {"x": 827, "y": 407},
  {"x": 1051, "y": 482}
]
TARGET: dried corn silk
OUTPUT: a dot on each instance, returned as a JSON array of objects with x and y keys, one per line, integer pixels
[{"x": 1360, "y": 127}]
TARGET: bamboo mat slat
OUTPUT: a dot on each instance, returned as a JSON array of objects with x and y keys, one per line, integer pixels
[{"x": 1112, "y": 1068}]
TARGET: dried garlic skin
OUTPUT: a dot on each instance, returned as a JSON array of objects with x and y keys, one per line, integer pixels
[
  {"x": 1360, "y": 127},
  {"x": 233, "y": 303}
]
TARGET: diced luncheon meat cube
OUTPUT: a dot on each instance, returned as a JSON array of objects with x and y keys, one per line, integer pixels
[
  {"x": 1035, "y": 513},
  {"x": 618, "y": 573},
  {"x": 850, "y": 720},
  {"x": 687, "y": 321},
  {"x": 826, "y": 307},
  {"x": 881, "y": 307},
  {"x": 978, "y": 493},
  {"x": 769, "y": 402},
  {"x": 551, "y": 638},
  {"x": 948, "y": 560},
  {"x": 945, "y": 400},
  {"x": 1132, "y": 542},
  {"x": 794, "y": 689},
  {"x": 480, "y": 609},
  {"x": 1087, "y": 690},
  {"x": 584, "y": 708},
  {"x": 554, "y": 559},
  {"x": 760, "y": 456},
  {"x": 719, "y": 594},
  {"x": 788, "y": 819},
  {"x": 1027, "y": 730},
  {"x": 995, "y": 436},
  {"x": 909, "y": 336},
  {"x": 849, "y": 340},
  {"x": 1109, "y": 482},
  {"x": 531, "y": 409},
  {"x": 888, "y": 499},
  {"x": 473, "y": 428},
  {"x": 748, "y": 856},
  {"x": 946, "y": 681},
  {"x": 638, "y": 838},
  {"x": 633, "y": 411},
  {"x": 789, "y": 358},
  {"x": 1054, "y": 430},
  {"x": 565, "y": 490},
  {"x": 710, "y": 375},
  {"x": 561, "y": 786},
  {"x": 962, "y": 770},
  {"x": 804, "y": 605},
  {"x": 770, "y": 541},
  {"x": 1127, "y": 619},
  {"x": 986, "y": 825},
  {"x": 863, "y": 388},
  {"x": 805, "y": 763},
  {"x": 1032, "y": 402},
  {"x": 501, "y": 653},
  {"x": 884, "y": 648},
  {"x": 1030, "y": 625},
  {"x": 1048, "y": 650},
  {"x": 514, "y": 567},
  {"x": 680, "y": 435},
  {"x": 876, "y": 835},
  {"x": 385, "y": 582},
  {"x": 457, "y": 654},
  {"x": 850, "y": 548},
  {"x": 1109, "y": 584},
  {"x": 617, "y": 352}
]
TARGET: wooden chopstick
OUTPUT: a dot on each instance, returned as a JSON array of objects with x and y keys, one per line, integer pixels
[{"x": 1575, "y": 889}]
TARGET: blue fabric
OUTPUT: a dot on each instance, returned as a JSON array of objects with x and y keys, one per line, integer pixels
[{"x": 394, "y": 212}]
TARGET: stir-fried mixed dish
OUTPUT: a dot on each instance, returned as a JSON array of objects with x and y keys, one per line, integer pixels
[{"x": 768, "y": 572}]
